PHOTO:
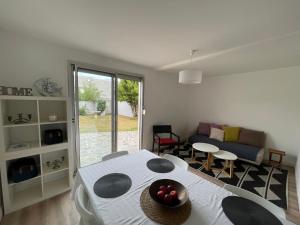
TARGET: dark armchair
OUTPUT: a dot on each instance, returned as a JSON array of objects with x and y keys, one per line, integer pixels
[{"x": 169, "y": 138}]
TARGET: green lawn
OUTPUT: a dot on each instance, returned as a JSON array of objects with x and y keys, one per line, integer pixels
[{"x": 96, "y": 123}]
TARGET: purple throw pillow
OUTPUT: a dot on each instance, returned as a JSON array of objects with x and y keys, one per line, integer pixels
[
  {"x": 214, "y": 125},
  {"x": 204, "y": 128}
]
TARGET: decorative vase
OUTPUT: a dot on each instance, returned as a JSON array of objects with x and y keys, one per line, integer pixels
[{"x": 52, "y": 117}]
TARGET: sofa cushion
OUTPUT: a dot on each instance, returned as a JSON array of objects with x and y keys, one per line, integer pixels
[
  {"x": 241, "y": 150},
  {"x": 204, "y": 139},
  {"x": 166, "y": 141},
  {"x": 204, "y": 128},
  {"x": 231, "y": 134},
  {"x": 217, "y": 134},
  {"x": 252, "y": 137},
  {"x": 214, "y": 125}
]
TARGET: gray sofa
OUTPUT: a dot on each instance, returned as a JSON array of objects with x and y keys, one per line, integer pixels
[{"x": 246, "y": 152}]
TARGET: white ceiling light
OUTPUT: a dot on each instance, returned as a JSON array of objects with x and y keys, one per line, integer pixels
[{"x": 190, "y": 76}]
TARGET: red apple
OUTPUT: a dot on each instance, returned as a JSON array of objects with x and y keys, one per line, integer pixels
[
  {"x": 174, "y": 195},
  {"x": 160, "y": 195},
  {"x": 170, "y": 188},
  {"x": 168, "y": 199},
  {"x": 163, "y": 188}
]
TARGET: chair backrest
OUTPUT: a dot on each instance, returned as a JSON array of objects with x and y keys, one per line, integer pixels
[
  {"x": 114, "y": 155},
  {"x": 277, "y": 211},
  {"x": 82, "y": 205},
  {"x": 159, "y": 129},
  {"x": 176, "y": 160}
]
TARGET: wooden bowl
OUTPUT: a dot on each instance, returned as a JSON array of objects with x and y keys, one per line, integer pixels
[{"x": 181, "y": 193}]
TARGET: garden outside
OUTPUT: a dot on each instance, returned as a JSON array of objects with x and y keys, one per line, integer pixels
[{"x": 95, "y": 136}]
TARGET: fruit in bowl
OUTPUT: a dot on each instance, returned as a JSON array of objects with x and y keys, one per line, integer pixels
[
  {"x": 161, "y": 195},
  {"x": 174, "y": 194},
  {"x": 170, "y": 188},
  {"x": 168, "y": 193},
  {"x": 163, "y": 188},
  {"x": 168, "y": 199}
]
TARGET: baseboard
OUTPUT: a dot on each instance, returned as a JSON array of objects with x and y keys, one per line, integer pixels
[
  {"x": 289, "y": 161},
  {"x": 1, "y": 203}
]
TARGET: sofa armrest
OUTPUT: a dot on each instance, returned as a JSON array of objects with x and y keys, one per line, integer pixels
[{"x": 260, "y": 156}]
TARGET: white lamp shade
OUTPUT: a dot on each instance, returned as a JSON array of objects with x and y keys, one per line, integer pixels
[{"x": 190, "y": 77}]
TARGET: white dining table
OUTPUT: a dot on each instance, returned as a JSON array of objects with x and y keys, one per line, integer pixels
[{"x": 205, "y": 197}]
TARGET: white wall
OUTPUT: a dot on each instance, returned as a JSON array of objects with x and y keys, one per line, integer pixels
[
  {"x": 264, "y": 100},
  {"x": 124, "y": 109},
  {"x": 297, "y": 174},
  {"x": 24, "y": 59}
]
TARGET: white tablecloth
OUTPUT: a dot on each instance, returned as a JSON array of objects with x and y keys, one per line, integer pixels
[{"x": 205, "y": 196}]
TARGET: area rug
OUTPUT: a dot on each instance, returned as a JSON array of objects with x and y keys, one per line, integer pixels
[{"x": 264, "y": 180}]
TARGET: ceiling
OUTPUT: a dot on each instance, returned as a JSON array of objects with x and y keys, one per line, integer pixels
[{"x": 232, "y": 36}]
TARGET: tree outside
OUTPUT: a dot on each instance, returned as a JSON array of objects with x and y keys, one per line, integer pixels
[
  {"x": 128, "y": 91},
  {"x": 101, "y": 106},
  {"x": 95, "y": 121},
  {"x": 89, "y": 92}
]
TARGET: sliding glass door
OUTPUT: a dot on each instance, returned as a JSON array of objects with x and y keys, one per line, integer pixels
[
  {"x": 95, "y": 115},
  {"x": 129, "y": 105},
  {"x": 107, "y": 113}
]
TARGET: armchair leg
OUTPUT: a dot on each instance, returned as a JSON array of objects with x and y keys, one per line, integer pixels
[
  {"x": 158, "y": 149},
  {"x": 153, "y": 146}
]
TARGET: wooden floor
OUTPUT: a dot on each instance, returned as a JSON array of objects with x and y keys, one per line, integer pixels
[
  {"x": 60, "y": 210},
  {"x": 292, "y": 212}
]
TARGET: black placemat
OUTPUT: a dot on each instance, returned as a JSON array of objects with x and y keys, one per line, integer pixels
[
  {"x": 112, "y": 185},
  {"x": 241, "y": 211},
  {"x": 159, "y": 165}
]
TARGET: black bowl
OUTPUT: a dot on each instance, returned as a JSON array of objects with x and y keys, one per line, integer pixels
[{"x": 182, "y": 193}]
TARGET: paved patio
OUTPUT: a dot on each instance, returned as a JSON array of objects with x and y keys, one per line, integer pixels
[{"x": 94, "y": 145}]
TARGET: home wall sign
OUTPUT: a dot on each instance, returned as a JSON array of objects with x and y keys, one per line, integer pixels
[{"x": 15, "y": 91}]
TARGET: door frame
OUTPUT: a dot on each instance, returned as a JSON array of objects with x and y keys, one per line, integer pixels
[{"x": 73, "y": 67}]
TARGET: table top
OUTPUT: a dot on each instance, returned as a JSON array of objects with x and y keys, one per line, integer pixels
[
  {"x": 225, "y": 155},
  {"x": 204, "y": 147},
  {"x": 205, "y": 197}
]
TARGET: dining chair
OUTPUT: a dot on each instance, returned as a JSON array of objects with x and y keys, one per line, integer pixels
[
  {"x": 114, "y": 155},
  {"x": 277, "y": 211},
  {"x": 176, "y": 160},
  {"x": 164, "y": 136},
  {"x": 82, "y": 206}
]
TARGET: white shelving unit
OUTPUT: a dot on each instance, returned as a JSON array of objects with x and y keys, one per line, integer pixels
[{"x": 50, "y": 180}]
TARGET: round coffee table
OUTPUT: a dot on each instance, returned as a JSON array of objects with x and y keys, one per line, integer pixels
[
  {"x": 229, "y": 159},
  {"x": 209, "y": 149}
]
